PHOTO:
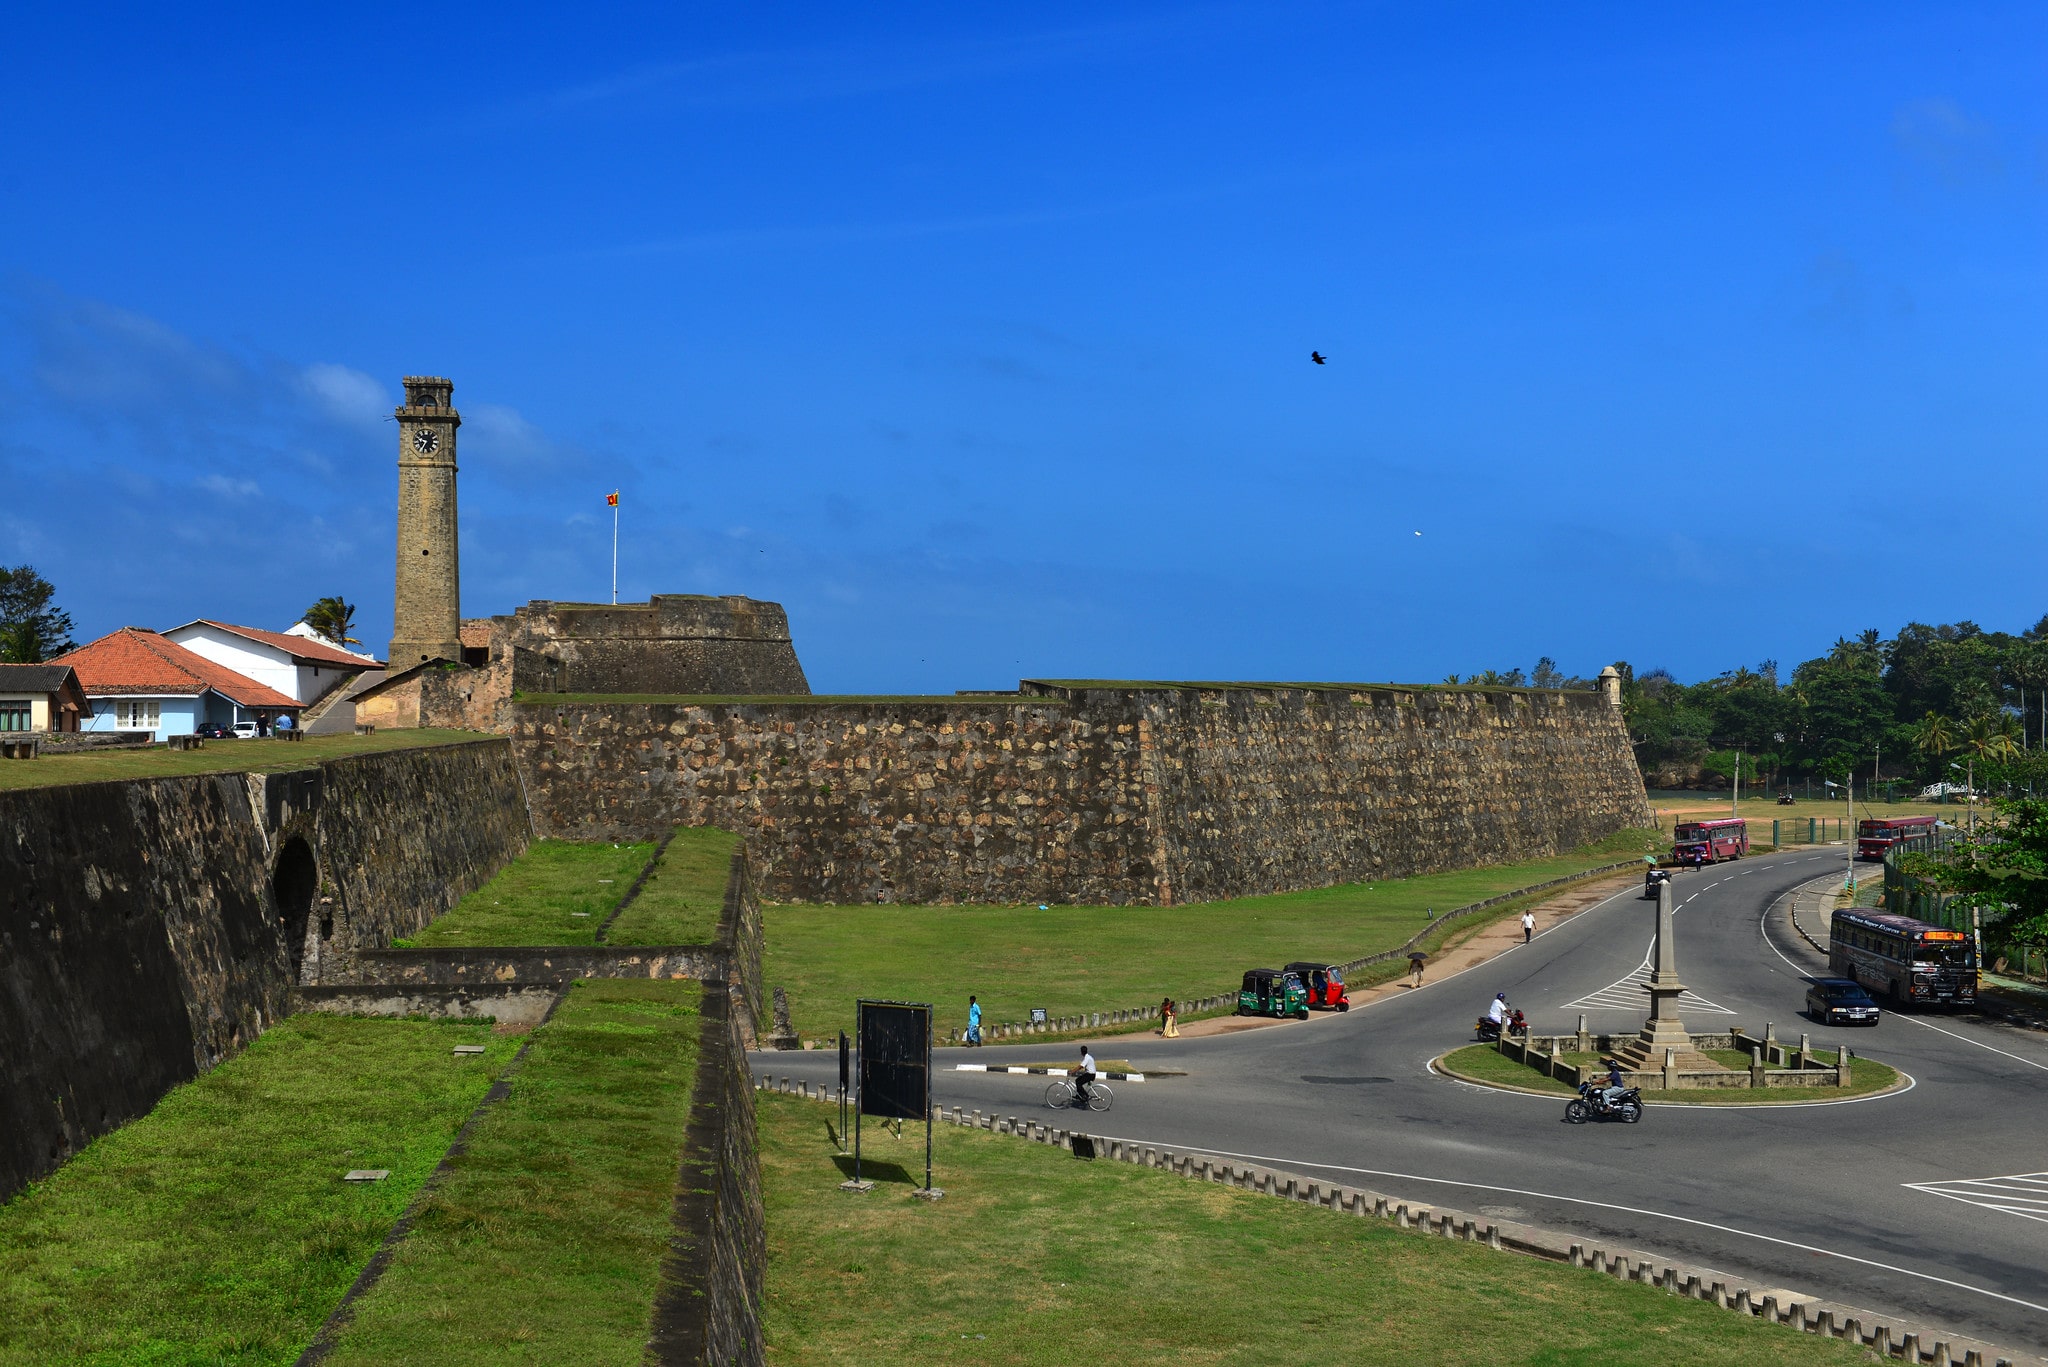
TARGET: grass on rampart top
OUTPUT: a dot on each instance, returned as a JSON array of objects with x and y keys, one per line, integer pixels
[
  {"x": 1071, "y": 959},
  {"x": 217, "y": 757},
  {"x": 560, "y": 892},
  {"x": 217, "y": 1229},
  {"x": 544, "y": 1243},
  {"x": 683, "y": 897},
  {"x": 778, "y": 699},
  {"x": 1483, "y": 1063},
  {"x": 1034, "y": 1256},
  {"x": 557, "y": 893}
]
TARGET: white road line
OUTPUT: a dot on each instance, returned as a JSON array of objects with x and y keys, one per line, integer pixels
[
  {"x": 1628, "y": 1210},
  {"x": 1967, "y": 1040},
  {"x": 2026, "y": 1198},
  {"x": 1627, "y": 994}
]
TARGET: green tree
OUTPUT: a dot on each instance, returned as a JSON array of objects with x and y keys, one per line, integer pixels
[
  {"x": 32, "y": 628},
  {"x": 2002, "y": 870},
  {"x": 333, "y": 618},
  {"x": 1990, "y": 739},
  {"x": 1934, "y": 737}
]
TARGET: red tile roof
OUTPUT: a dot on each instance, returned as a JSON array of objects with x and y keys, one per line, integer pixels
[
  {"x": 303, "y": 648},
  {"x": 135, "y": 661}
]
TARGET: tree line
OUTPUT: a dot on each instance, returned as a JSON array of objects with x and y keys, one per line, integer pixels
[
  {"x": 1908, "y": 706},
  {"x": 33, "y": 628}
]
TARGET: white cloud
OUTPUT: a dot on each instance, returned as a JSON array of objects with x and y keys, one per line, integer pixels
[
  {"x": 345, "y": 394},
  {"x": 227, "y": 487}
]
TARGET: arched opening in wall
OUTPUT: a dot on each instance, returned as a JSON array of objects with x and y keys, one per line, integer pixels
[{"x": 294, "y": 883}]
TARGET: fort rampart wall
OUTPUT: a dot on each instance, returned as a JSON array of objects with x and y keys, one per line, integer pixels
[
  {"x": 149, "y": 929},
  {"x": 1145, "y": 793}
]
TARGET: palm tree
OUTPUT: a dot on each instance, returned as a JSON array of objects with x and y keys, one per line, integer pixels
[
  {"x": 333, "y": 618},
  {"x": 1990, "y": 738},
  {"x": 1934, "y": 736}
]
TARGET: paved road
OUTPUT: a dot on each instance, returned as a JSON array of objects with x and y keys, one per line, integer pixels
[{"x": 1815, "y": 1198}]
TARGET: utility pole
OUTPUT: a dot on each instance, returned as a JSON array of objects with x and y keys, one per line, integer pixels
[{"x": 1735, "y": 803}]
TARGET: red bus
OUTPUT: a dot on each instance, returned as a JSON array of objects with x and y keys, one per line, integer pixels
[
  {"x": 1703, "y": 842},
  {"x": 1907, "y": 960},
  {"x": 1879, "y": 834}
]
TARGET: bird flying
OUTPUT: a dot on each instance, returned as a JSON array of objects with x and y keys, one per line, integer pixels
[{"x": 1316, "y": 356}]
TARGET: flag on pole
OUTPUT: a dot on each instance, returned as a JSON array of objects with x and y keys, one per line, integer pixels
[{"x": 611, "y": 500}]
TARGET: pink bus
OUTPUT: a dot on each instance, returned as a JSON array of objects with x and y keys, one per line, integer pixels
[{"x": 1704, "y": 842}]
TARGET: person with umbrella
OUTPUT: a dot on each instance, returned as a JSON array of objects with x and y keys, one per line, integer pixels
[{"x": 1415, "y": 961}]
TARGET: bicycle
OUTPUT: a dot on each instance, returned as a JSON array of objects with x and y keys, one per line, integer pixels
[{"x": 1059, "y": 1096}]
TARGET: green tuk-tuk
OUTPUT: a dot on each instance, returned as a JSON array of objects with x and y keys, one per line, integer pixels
[{"x": 1272, "y": 992}]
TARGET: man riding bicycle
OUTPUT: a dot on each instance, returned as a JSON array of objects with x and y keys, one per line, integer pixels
[{"x": 1084, "y": 1075}]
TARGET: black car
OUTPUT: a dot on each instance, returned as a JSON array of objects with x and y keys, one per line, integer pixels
[
  {"x": 1838, "y": 1001},
  {"x": 212, "y": 730}
]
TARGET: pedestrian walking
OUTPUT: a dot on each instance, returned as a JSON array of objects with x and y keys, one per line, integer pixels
[
  {"x": 1528, "y": 926},
  {"x": 973, "y": 1021},
  {"x": 1170, "y": 1018},
  {"x": 1415, "y": 968}
]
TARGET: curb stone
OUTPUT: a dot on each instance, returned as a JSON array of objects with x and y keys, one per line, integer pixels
[
  {"x": 999, "y": 1068},
  {"x": 1887, "y": 1337}
]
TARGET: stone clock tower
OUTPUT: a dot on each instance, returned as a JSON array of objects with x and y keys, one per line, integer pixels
[{"x": 429, "y": 586}]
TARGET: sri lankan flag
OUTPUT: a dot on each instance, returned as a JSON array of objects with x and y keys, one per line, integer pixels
[{"x": 611, "y": 500}]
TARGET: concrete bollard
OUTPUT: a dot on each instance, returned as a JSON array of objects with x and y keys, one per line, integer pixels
[
  {"x": 1743, "y": 1303},
  {"x": 1795, "y": 1315},
  {"x": 1493, "y": 1236},
  {"x": 1380, "y": 1207},
  {"x": 1881, "y": 1340},
  {"x": 1577, "y": 1257},
  {"x": 1769, "y": 1309},
  {"x": 1852, "y": 1329}
]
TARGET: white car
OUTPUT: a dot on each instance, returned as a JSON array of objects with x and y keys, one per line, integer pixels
[{"x": 244, "y": 730}]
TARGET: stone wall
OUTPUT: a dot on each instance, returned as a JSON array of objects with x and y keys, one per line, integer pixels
[
  {"x": 1093, "y": 793},
  {"x": 148, "y": 929},
  {"x": 672, "y": 643}
]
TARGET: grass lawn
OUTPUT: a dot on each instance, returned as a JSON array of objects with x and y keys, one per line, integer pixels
[
  {"x": 1035, "y": 1257},
  {"x": 557, "y": 893},
  {"x": 544, "y": 1244},
  {"x": 1482, "y": 1063},
  {"x": 683, "y": 897},
  {"x": 1070, "y": 959},
  {"x": 217, "y": 1229},
  {"x": 219, "y": 756}
]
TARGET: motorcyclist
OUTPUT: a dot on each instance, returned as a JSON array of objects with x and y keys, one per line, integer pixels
[
  {"x": 1611, "y": 1094},
  {"x": 1498, "y": 1012}
]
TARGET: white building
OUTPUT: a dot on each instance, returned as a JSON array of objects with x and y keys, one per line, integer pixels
[{"x": 298, "y": 663}]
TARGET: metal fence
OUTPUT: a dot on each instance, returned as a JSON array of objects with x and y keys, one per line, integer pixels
[
  {"x": 1808, "y": 830},
  {"x": 1906, "y": 895}
]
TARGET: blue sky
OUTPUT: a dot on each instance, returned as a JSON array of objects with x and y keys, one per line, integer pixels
[{"x": 980, "y": 339}]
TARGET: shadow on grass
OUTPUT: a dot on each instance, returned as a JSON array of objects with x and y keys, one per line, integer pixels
[{"x": 872, "y": 1171}]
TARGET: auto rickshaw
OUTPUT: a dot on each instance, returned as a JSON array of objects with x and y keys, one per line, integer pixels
[
  {"x": 1272, "y": 992},
  {"x": 1324, "y": 983}
]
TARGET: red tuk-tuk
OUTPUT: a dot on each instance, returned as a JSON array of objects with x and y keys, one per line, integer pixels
[{"x": 1324, "y": 983}]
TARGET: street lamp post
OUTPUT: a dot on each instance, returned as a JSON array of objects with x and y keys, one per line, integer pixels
[{"x": 1848, "y": 788}]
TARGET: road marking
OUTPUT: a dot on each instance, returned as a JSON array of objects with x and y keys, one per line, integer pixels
[
  {"x": 1062, "y": 1072},
  {"x": 1627, "y": 1210},
  {"x": 1896, "y": 1015},
  {"x": 2023, "y": 1194},
  {"x": 1628, "y": 994}
]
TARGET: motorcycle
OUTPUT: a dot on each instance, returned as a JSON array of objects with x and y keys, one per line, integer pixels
[
  {"x": 1592, "y": 1104},
  {"x": 1487, "y": 1030}
]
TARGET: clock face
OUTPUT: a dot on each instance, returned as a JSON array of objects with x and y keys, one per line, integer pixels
[{"x": 426, "y": 440}]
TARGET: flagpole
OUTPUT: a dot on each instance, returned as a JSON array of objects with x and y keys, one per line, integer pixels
[{"x": 615, "y": 548}]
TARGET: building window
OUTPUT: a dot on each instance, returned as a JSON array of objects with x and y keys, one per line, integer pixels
[
  {"x": 14, "y": 716},
  {"x": 137, "y": 714}
]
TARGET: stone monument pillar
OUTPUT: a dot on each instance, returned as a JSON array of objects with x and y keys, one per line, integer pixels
[
  {"x": 428, "y": 597},
  {"x": 1663, "y": 1030}
]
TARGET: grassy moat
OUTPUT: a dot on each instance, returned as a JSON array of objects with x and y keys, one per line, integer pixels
[{"x": 1071, "y": 959}]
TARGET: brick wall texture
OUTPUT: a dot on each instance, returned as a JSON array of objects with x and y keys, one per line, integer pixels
[{"x": 1123, "y": 794}]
